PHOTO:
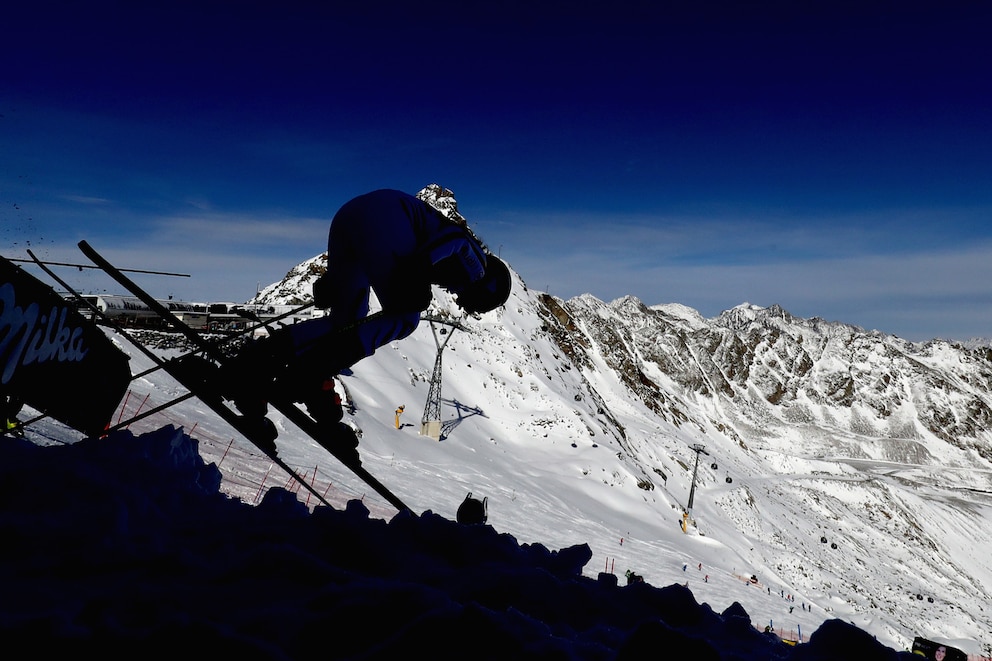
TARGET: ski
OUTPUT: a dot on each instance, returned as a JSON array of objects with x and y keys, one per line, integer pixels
[
  {"x": 248, "y": 429},
  {"x": 196, "y": 380}
]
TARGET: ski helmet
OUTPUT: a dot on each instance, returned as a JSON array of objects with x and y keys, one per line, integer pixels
[{"x": 490, "y": 292}]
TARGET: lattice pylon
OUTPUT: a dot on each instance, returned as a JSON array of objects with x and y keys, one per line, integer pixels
[{"x": 430, "y": 423}]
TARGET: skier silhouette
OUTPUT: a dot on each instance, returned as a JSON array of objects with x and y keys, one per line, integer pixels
[{"x": 388, "y": 242}]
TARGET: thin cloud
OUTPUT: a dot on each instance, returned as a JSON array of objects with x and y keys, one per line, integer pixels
[
  {"x": 853, "y": 271},
  {"x": 229, "y": 231}
]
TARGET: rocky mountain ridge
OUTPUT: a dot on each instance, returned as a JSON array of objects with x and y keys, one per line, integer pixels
[
  {"x": 772, "y": 368},
  {"x": 769, "y": 368},
  {"x": 823, "y": 431}
]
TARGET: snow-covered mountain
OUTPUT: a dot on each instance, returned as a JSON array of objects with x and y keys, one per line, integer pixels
[
  {"x": 860, "y": 462},
  {"x": 848, "y": 468},
  {"x": 846, "y": 471}
]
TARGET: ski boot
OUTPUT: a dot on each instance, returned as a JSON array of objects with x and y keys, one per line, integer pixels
[
  {"x": 223, "y": 381},
  {"x": 263, "y": 433},
  {"x": 323, "y": 404},
  {"x": 249, "y": 374},
  {"x": 210, "y": 381},
  {"x": 286, "y": 365},
  {"x": 195, "y": 370},
  {"x": 340, "y": 440}
]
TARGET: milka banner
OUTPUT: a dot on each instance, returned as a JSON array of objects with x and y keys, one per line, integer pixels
[{"x": 55, "y": 360}]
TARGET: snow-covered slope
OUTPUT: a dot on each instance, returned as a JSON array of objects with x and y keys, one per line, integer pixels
[
  {"x": 577, "y": 420},
  {"x": 848, "y": 469}
]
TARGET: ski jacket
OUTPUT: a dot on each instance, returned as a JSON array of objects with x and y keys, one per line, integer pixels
[
  {"x": 392, "y": 231},
  {"x": 396, "y": 245}
]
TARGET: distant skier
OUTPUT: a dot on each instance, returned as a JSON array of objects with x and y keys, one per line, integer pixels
[{"x": 393, "y": 244}]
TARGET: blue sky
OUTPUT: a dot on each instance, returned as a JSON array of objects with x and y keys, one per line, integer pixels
[{"x": 833, "y": 159}]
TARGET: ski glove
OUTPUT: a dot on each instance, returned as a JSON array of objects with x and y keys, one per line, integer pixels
[{"x": 323, "y": 290}]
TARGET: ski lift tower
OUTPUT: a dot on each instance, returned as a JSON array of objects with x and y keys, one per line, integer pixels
[
  {"x": 430, "y": 424},
  {"x": 699, "y": 448}
]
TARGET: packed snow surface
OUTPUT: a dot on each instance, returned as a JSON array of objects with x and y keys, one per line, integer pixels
[{"x": 177, "y": 533}]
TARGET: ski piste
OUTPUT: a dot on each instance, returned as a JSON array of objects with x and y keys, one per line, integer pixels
[
  {"x": 215, "y": 401},
  {"x": 250, "y": 432}
]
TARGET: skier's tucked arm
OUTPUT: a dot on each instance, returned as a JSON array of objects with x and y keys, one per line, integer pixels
[{"x": 456, "y": 260}]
